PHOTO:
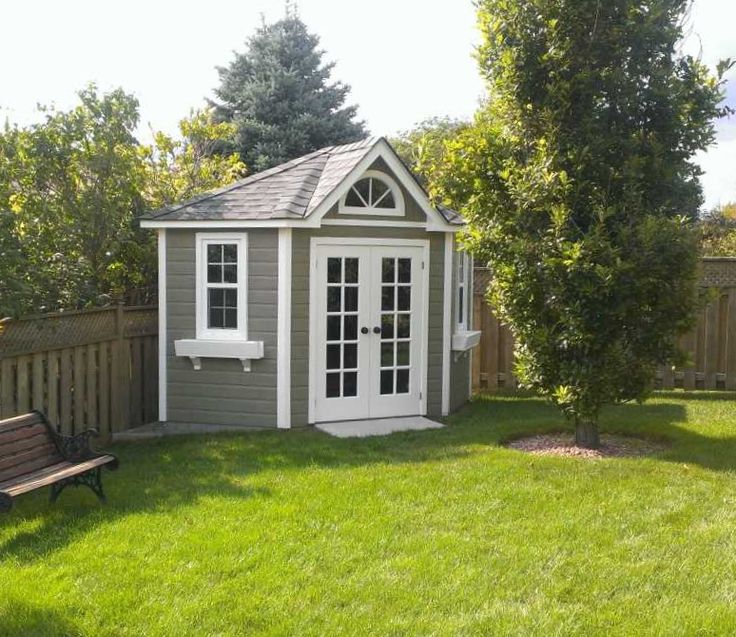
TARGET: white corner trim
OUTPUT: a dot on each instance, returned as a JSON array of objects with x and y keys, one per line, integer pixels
[
  {"x": 162, "y": 336},
  {"x": 283, "y": 361},
  {"x": 471, "y": 323},
  {"x": 447, "y": 324}
]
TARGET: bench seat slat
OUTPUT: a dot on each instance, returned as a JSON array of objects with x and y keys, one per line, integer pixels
[
  {"x": 25, "y": 420},
  {"x": 20, "y": 433},
  {"x": 50, "y": 475}
]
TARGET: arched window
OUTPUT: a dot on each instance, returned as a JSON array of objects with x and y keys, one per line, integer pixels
[{"x": 375, "y": 193}]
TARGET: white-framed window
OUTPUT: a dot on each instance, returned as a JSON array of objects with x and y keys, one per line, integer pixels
[
  {"x": 375, "y": 193},
  {"x": 463, "y": 302},
  {"x": 221, "y": 286}
]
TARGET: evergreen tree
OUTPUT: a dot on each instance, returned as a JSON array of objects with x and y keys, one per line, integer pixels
[{"x": 279, "y": 96}]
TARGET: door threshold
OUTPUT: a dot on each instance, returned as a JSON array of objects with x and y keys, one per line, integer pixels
[{"x": 376, "y": 426}]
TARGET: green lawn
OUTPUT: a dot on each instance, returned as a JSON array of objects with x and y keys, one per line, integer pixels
[{"x": 429, "y": 533}]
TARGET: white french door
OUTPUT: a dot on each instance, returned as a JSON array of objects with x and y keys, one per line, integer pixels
[{"x": 369, "y": 331}]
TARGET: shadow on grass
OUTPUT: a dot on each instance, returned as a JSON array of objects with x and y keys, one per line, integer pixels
[
  {"x": 167, "y": 474},
  {"x": 19, "y": 618}
]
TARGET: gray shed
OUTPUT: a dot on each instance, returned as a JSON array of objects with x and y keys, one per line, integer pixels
[{"x": 325, "y": 289}]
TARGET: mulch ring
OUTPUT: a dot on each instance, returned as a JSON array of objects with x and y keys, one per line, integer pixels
[{"x": 563, "y": 444}]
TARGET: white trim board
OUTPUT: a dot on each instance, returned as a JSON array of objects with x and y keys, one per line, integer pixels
[
  {"x": 283, "y": 361},
  {"x": 447, "y": 323},
  {"x": 162, "y": 336}
]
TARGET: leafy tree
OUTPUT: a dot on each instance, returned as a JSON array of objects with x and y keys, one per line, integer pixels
[
  {"x": 577, "y": 181},
  {"x": 424, "y": 147},
  {"x": 718, "y": 232},
  {"x": 279, "y": 96},
  {"x": 71, "y": 190}
]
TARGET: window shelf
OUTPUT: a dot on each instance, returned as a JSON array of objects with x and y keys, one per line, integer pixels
[
  {"x": 197, "y": 349},
  {"x": 463, "y": 341}
]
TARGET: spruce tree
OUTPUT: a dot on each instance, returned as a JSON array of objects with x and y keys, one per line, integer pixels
[{"x": 279, "y": 95}]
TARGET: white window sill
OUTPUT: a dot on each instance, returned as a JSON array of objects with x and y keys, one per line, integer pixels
[
  {"x": 197, "y": 349},
  {"x": 463, "y": 341}
]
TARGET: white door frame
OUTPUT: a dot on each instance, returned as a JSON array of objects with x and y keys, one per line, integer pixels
[{"x": 316, "y": 242}]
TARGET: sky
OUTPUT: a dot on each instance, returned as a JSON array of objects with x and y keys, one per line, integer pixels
[{"x": 406, "y": 60}]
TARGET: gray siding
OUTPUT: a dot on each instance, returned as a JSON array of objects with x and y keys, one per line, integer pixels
[
  {"x": 300, "y": 310},
  {"x": 221, "y": 393}
]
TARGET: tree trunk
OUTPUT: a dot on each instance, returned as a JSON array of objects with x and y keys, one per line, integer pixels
[{"x": 586, "y": 434}]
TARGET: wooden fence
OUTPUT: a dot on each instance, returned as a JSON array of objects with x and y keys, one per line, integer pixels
[
  {"x": 711, "y": 347},
  {"x": 91, "y": 368}
]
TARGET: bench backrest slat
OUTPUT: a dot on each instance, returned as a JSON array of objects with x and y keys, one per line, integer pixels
[{"x": 26, "y": 445}]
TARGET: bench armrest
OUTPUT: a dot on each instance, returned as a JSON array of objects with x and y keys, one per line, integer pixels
[{"x": 76, "y": 448}]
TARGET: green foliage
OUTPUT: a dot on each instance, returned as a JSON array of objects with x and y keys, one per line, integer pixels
[
  {"x": 71, "y": 190},
  {"x": 279, "y": 96},
  {"x": 424, "y": 148},
  {"x": 718, "y": 232},
  {"x": 578, "y": 182}
]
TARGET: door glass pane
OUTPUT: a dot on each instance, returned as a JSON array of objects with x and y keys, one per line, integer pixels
[
  {"x": 333, "y": 357},
  {"x": 387, "y": 354},
  {"x": 404, "y": 298},
  {"x": 351, "y": 299},
  {"x": 350, "y": 384},
  {"x": 333, "y": 328},
  {"x": 387, "y": 381},
  {"x": 333, "y": 385},
  {"x": 402, "y": 381},
  {"x": 402, "y": 353},
  {"x": 387, "y": 326},
  {"x": 387, "y": 298},
  {"x": 351, "y": 270},
  {"x": 334, "y": 270},
  {"x": 333, "y": 299},
  {"x": 350, "y": 356},
  {"x": 402, "y": 325},
  {"x": 351, "y": 328},
  {"x": 404, "y": 270},
  {"x": 388, "y": 270}
]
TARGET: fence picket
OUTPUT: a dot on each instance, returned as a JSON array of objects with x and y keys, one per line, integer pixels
[{"x": 38, "y": 382}]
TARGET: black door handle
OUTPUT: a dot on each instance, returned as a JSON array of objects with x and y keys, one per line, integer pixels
[
  {"x": 364, "y": 330},
  {"x": 376, "y": 330}
]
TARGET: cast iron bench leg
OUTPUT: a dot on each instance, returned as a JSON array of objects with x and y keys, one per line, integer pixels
[{"x": 91, "y": 479}]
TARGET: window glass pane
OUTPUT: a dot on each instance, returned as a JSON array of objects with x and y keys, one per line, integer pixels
[
  {"x": 387, "y": 326},
  {"x": 387, "y": 354},
  {"x": 379, "y": 189},
  {"x": 363, "y": 187},
  {"x": 231, "y": 319},
  {"x": 404, "y": 270},
  {"x": 230, "y": 273},
  {"x": 402, "y": 353},
  {"x": 350, "y": 356},
  {"x": 404, "y": 304},
  {"x": 402, "y": 326},
  {"x": 387, "y": 381},
  {"x": 350, "y": 384},
  {"x": 461, "y": 305},
  {"x": 387, "y": 202},
  {"x": 388, "y": 269},
  {"x": 333, "y": 328},
  {"x": 333, "y": 299},
  {"x": 334, "y": 270},
  {"x": 230, "y": 253},
  {"x": 402, "y": 381},
  {"x": 351, "y": 270},
  {"x": 353, "y": 200},
  {"x": 333, "y": 357},
  {"x": 216, "y": 318},
  {"x": 231, "y": 298},
  {"x": 333, "y": 385},
  {"x": 351, "y": 328},
  {"x": 216, "y": 297},
  {"x": 214, "y": 273},
  {"x": 351, "y": 299},
  {"x": 214, "y": 253},
  {"x": 387, "y": 298}
]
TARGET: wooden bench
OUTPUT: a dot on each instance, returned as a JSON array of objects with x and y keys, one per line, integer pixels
[{"x": 33, "y": 455}]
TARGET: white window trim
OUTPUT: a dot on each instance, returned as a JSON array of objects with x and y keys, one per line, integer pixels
[
  {"x": 398, "y": 211},
  {"x": 462, "y": 323},
  {"x": 202, "y": 241}
]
